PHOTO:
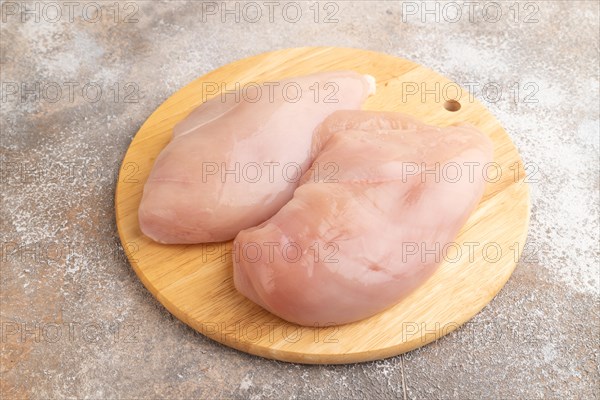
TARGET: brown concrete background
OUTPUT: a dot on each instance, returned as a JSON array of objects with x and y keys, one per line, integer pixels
[{"x": 77, "y": 323}]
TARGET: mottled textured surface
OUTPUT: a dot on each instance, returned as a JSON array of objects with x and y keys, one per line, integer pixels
[{"x": 77, "y": 323}]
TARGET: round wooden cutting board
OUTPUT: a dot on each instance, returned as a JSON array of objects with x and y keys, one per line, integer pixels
[{"x": 195, "y": 283}]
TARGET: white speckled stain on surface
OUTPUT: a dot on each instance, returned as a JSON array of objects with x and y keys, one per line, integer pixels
[{"x": 538, "y": 338}]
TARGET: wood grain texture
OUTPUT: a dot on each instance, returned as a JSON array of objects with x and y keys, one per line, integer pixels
[{"x": 194, "y": 282}]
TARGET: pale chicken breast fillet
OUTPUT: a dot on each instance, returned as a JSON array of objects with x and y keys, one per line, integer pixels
[
  {"x": 236, "y": 160},
  {"x": 368, "y": 223}
]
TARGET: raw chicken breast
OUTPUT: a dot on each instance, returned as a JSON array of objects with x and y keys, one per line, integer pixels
[
  {"x": 234, "y": 162},
  {"x": 368, "y": 223}
]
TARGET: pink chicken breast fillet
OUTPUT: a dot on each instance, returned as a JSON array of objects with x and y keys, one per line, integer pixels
[
  {"x": 235, "y": 161},
  {"x": 358, "y": 235}
]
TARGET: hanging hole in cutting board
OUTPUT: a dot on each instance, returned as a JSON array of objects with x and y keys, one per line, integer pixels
[{"x": 452, "y": 105}]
